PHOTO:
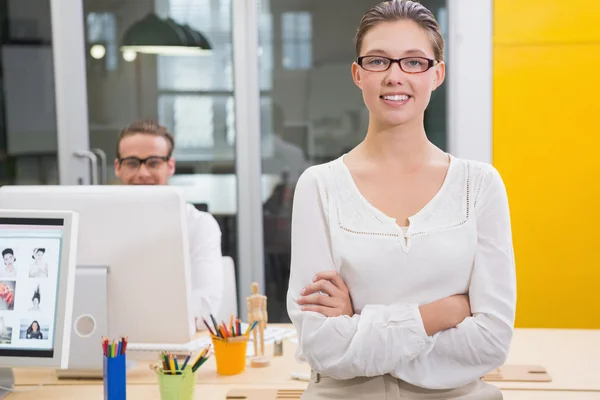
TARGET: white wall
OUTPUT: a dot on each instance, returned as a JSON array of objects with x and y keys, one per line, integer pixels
[{"x": 470, "y": 103}]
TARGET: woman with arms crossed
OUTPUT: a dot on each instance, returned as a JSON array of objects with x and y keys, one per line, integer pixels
[{"x": 402, "y": 277}]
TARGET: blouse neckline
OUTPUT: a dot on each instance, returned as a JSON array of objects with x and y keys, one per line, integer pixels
[{"x": 384, "y": 216}]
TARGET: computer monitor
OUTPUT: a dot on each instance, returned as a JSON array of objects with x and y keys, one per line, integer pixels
[
  {"x": 37, "y": 279},
  {"x": 140, "y": 234}
]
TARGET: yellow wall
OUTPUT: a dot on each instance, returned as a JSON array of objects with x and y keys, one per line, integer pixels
[{"x": 546, "y": 145}]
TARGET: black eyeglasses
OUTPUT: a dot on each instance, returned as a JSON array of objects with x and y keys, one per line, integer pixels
[
  {"x": 151, "y": 162},
  {"x": 410, "y": 65}
]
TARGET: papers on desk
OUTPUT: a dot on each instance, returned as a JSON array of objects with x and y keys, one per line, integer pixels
[{"x": 271, "y": 335}]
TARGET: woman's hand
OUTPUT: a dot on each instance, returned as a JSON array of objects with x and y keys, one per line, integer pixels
[{"x": 327, "y": 295}]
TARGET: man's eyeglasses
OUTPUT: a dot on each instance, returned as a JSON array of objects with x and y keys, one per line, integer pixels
[
  {"x": 152, "y": 162},
  {"x": 410, "y": 65}
]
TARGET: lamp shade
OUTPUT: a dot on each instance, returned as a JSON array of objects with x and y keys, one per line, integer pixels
[
  {"x": 195, "y": 37},
  {"x": 153, "y": 35}
]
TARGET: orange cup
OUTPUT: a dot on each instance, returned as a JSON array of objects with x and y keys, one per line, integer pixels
[{"x": 230, "y": 354}]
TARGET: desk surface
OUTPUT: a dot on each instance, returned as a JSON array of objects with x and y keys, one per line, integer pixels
[
  {"x": 218, "y": 392},
  {"x": 572, "y": 358},
  {"x": 277, "y": 373}
]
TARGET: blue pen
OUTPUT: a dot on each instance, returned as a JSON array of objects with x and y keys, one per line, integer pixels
[
  {"x": 186, "y": 361},
  {"x": 251, "y": 327}
]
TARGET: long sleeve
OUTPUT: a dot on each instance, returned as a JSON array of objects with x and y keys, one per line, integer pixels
[
  {"x": 206, "y": 264},
  {"x": 480, "y": 343},
  {"x": 368, "y": 344}
]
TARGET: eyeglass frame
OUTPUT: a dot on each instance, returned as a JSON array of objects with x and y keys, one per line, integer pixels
[
  {"x": 143, "y": 161},
  {"x": 430, "y": 63}
]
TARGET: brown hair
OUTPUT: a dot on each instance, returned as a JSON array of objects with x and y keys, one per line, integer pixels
[
  {"x": 147, "y": 127},
  {"x": 397, "y": 10}
]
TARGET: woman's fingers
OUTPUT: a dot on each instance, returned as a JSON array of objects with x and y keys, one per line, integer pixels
[
  {"x": 326, "y": 311},
  {"x": 316, "y": 299},
  {"x": 333, "y": 277},
  {"x": 324, "y": 286}
]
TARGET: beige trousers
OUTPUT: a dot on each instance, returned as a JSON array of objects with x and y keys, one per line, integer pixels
[{"x": 387, "y": 387}]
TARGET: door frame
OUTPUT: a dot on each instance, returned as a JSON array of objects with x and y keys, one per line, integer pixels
[
  {"x": 69, "y": 55},
  {"x": 469, "y": 73},
  {"x": 248, "y": 161}
]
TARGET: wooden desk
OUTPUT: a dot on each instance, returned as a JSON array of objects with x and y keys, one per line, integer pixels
[
  {"x": 277, "y": 373},
  {"x": 218, "y": 392},
  {"x": 572, "y": 358}
]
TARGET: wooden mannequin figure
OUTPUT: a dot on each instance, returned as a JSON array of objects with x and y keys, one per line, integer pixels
[{"x": 257, "y": 311}]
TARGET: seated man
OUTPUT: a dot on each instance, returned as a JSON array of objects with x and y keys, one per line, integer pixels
[{"x": 144, "y": 157}]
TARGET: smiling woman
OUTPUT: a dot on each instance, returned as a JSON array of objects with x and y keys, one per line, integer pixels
[
  {"x": 420, "y": 50},
  {"x": 402, "y": 279}
]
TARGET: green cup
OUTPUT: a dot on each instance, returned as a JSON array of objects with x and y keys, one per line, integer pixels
[{"x": 177, "y": 387}]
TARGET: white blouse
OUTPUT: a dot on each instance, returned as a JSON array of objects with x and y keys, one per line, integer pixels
[{"x": 460, "y": 242}]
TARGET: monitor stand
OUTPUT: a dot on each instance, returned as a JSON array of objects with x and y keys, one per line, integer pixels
[
  {"x": 90, "y": 323},
  {"x": 7, "y": 381}
]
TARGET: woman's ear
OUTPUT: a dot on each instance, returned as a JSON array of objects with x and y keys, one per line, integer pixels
[
  {"x": 356, "y": 75},
  {"x": 440, "y": 75}
]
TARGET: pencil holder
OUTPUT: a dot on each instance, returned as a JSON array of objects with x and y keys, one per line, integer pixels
[
  {"x": 230, "y": 354},
  {"x": 176, "y": 386},
  {"x": 115, "y": 378}
]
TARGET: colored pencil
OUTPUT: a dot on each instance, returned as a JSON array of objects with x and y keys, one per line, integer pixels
[
  {"x": 114, "y": 348},
  {"x": 171, "y": 366}
]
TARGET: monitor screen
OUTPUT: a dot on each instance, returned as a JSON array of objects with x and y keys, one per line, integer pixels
[{"x": 29, "y": 271}]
